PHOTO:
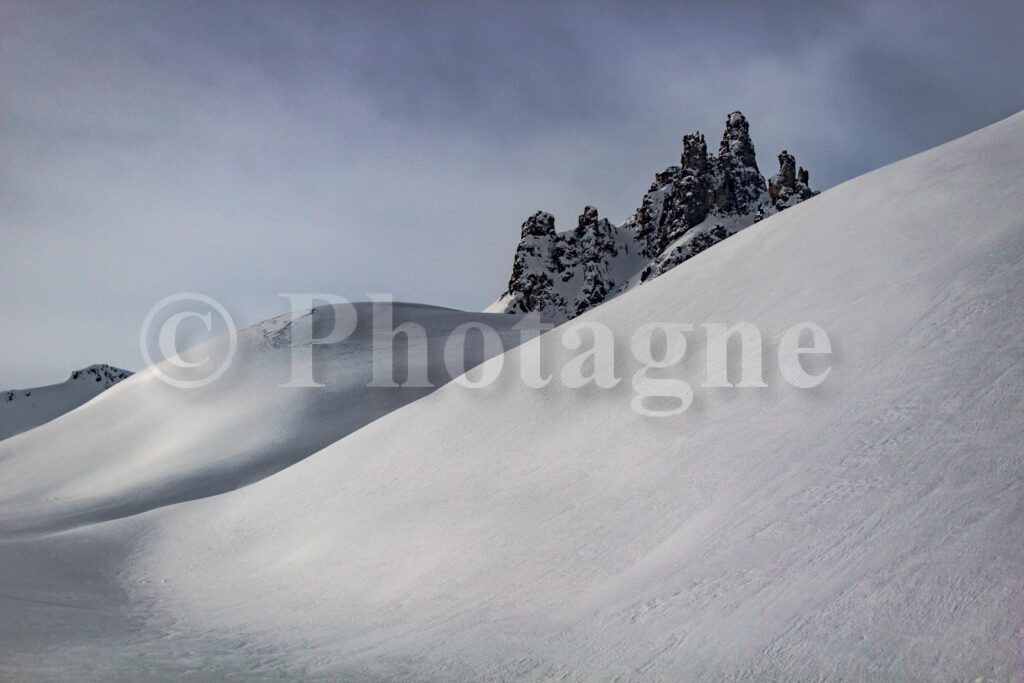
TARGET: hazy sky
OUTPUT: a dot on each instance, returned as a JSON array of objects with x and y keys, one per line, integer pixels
[{"x": 248, "y": 149}]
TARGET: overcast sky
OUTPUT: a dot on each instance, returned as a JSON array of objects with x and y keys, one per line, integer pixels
[{"x": 248, "y": 149}]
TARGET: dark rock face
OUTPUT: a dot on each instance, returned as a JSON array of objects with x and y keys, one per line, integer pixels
[
  {"x": 531, "y": 285},
  {"x": 595, "y": 249},
  {"x": 736, "y": 144},
  {"x": 548, "y": 263},
  {"x": 790, "y": 186},
  {"x": 107, "y": 375},
  {"x": 742, "y": 184},
  {"x": 687, "y": 209},
  {"x": 703, "y": 185},
  {"x": 695, "y": 160}
]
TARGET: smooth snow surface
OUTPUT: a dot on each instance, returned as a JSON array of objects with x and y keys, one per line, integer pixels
[
  {"x": 869, "y": 529},
  {"x": 144, "y": 444}
]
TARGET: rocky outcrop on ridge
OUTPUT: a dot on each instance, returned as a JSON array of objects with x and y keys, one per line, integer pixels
[{"x": 688, "y": 208}]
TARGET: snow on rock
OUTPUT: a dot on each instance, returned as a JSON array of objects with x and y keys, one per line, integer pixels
[
  {"x": 688, "y": 208},
  {"x": 538, "y": 257},
  {"x": 24, "y": 409}
]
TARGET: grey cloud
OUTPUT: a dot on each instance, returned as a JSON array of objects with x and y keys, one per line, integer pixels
[{"x": 247, "y": 149}]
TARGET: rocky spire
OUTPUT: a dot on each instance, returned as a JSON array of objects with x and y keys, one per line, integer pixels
[
  {"x": 736, "y": 145},
  {"x": 695, "y": 155},
  {"x": 594, "y": 235},
  {"x": 540, "y": 224},
  {"x": 741, "y": 183},
  {"x": 787, "y": 169},
  {"x": 596, "y": 247},
  {"x": 531, "y": 287},
  {"x": 586, "y": 222},
  {"x": 790, "y": 185}
]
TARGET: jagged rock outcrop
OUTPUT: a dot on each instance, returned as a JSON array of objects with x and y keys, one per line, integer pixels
[
  {"x": 688, "y": 208},
  {"x": 548, "y": 264},
  {"x": 595, "y": 250},
  {"x": 741, "y": 186},
  {"x": 531, "y": 287},
  {"x": 791, "y": 185},
  {"x": 101, "y": 373}
]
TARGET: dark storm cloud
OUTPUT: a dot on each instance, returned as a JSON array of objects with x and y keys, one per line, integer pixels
[{"x": 247, "y": 149}]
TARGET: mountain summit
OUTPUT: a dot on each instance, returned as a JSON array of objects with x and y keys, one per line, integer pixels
[{"x": 687, "y": 209}]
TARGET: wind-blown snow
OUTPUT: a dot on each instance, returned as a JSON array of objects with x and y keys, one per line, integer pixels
[
  {"x": 867, "y": 529},
  {"x": 144, "y": 443}
]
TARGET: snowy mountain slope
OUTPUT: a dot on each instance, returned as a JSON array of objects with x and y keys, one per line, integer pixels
[
  {"x": 688, "y": 208},
  {"x": 144, "y": 443},
  {"x": 23, "y": 409},
  {"x": 867, "y": 529}
]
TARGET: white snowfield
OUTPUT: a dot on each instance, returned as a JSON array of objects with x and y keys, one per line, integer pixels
[
  {"x": 144, "y": 444},
  {"x": 868, "y": 529},
  {"x": 25, "y": 409}
]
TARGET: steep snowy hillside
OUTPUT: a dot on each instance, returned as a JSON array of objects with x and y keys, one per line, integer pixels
[
  {"x": 868, "y": 529},
  {"x": 146, "y": 444},
  {"x": 689, "y": 207},
  {"x": 23, "y": 409}
]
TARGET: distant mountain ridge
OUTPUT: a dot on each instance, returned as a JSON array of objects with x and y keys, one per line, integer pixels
[
  {"x": 688, "y": 208},
  {"x": 24, "y": 409}
]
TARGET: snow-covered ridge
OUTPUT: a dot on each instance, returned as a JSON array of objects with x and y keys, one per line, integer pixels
[
  {"x": 24, "y": 409},
  {"x": 687, "y": 209},
  {"x": 147, "y": 444},
  {"x": 867, "y": 530}
]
